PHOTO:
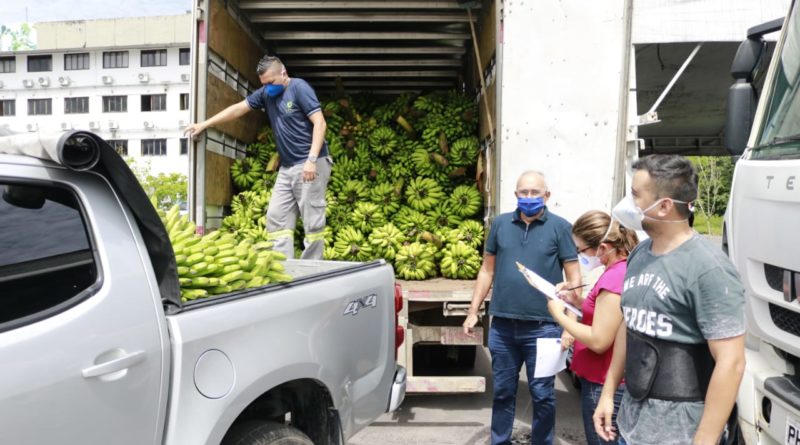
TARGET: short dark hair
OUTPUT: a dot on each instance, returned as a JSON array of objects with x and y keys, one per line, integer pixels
[
  {"x": 673, "y": 177},
  {"x": 266, "y": 63}
]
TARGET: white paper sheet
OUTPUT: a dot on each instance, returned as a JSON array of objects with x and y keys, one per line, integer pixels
[
  {"x": 544, "y": 286},
  {"x": 550, "y": 359}
]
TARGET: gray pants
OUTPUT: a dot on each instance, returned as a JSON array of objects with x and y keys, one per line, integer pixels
[{"x": 292, "y": 196}]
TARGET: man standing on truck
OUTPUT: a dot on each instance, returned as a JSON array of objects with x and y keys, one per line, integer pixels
[
  {"x": 299, "y": 128},
  {"x": 542, "y": 241},
  {"x": 683, "y": 333}
]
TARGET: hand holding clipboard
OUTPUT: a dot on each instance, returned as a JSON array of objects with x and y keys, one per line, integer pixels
[{"x": 544, "y": 286}]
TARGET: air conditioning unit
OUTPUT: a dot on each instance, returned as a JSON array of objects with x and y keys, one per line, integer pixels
[
  {"x": 33, "y": 127},
  {"x": 66, "y": 126},
  {"x": 148, "y": 124},
  {"x": 144, "y": 77},
  {"x": 113, "y": 125},
  {"x": 44, "y": 81},
  {"x": 63, "y": 81},
  {"x": 94, "y": 125},
  {"x": 1, "y": 84},
  {"x": 28, "y": 83},
  {"x": 108, "y": 80},
  {"x": 184, "y": 77}
]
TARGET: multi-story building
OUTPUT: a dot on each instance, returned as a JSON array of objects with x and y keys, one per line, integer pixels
[{"x": 125, "y": 79}]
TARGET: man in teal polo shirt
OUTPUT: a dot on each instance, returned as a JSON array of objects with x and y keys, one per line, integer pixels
[{"x": 542, "y": 241}]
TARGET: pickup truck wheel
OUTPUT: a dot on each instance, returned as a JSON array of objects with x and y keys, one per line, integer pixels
[{"x": 265, "y": 433}]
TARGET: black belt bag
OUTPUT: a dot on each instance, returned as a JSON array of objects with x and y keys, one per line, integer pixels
[{"x": 660, "y": 369}]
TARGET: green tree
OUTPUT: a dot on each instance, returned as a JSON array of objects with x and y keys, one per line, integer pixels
[
  {"x": 20, "y": 38},
  {"x": 714, "y": 174},
  {"x": 166, "y": 189}
]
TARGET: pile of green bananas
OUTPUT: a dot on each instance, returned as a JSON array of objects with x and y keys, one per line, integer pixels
[
  {"x": 217, "y": 263},
  {"x": 402, "y": 186}
]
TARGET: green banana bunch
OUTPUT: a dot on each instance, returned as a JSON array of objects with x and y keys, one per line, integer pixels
[
  {"x": 423, "y": 193},
  {"x": 464, "y": 151},
  {"x": 470, "y": 232},
  {"x": 442, "y": 215},
  {"x": 350, "y": 245},
  {"x": 353, "y": 191},
  {"x": 460, "y": 261},
  {"x": 367, "y": 215},
  {"x": 414, "y": 262},
  {"x": 386, "y": 241},
  {"x": 246, "y": 172},
  {"x": 412, "y": 222},
  {"x": 465, "y": 200},
  {"x": 218, "y": 262},
  {"x": 383, "y": 141},
  {"x": 386, "y": 197}
]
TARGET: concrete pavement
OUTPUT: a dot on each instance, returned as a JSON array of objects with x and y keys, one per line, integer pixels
[{"x": 464, "y": 419}]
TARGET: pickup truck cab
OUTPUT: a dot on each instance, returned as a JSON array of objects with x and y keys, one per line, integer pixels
[{"x": 98, "y": 349}]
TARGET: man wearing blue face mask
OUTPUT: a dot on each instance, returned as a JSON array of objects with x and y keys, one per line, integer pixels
[
  {"x": 299, "y": 128},
  {"x": 542, "y": 241}
]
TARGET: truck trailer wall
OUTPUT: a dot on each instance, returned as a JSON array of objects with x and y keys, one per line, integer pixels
[{"x": 560, "y": 106}]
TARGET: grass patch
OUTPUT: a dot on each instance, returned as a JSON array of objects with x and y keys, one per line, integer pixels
[{"x": 701, "y": 224}]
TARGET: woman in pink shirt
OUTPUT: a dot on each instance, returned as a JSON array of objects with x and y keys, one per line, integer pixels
[{"x": 600, "y": 242}]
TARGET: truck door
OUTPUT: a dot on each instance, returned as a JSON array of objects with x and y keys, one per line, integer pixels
[{"x": 82, "y": 353}]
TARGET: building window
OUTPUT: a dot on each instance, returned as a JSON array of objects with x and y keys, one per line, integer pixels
[
  {"x": 76, "y": 105},
  {"x": 40, "y": 63},
  {"x": 120, "y": 145},
  {"x": 8, "y": 64},
  {"x": 154, "y": 102},
  {"x": 184, "y": 146},
  {"x": 184, "y": 101},
  {"x": 154, "y": 57},
  {"x": 8, "y": 107},
  {"x": 76, "y": 61},
  {"x": 39, "y": 107},
  {"x": 183, "y": 56},
  {"x": 115, "y": 104},
  {"x": 115, "y": 59},
  {"x": 154, "y": 147}
]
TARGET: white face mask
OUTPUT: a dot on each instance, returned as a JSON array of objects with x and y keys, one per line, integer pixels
[
  {"x": 593, "y": 262},
  {"x": 631, "y": 216}
]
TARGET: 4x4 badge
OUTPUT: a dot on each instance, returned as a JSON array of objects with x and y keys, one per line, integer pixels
[{"x": 355, "y": 305}]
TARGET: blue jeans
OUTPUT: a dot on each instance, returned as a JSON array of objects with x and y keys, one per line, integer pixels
[
  {"x": 590, "y": 394},
  {"x": 512, "y": 342}
]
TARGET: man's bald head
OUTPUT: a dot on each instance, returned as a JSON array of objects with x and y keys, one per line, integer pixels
[{"x": 532, "y": 179}]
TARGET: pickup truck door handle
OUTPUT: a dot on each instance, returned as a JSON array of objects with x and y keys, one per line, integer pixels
[{"x": 117, "y": 364}]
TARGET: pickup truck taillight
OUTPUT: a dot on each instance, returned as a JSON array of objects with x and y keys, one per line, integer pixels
[{"x": 399, "y": 333}]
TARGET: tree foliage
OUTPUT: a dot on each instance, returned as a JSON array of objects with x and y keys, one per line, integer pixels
[
  {"x": 20, "y": 38},
  {"x": 166, "y": 189},
  {"x": 714, "y": 174}
]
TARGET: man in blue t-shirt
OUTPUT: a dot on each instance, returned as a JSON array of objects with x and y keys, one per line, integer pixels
[
  {"x": 299, "y": 127},
  {"x": 542, "y": 242}
]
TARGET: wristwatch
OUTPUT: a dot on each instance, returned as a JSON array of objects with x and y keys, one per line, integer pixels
[{"x": 312, "y": 158}]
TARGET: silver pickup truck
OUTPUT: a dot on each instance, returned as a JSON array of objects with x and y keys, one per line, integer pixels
[{"x": 97, "y": 347}]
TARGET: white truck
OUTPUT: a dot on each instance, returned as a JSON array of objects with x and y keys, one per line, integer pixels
[
  {"x": 99, "y": 349},
  {"x": 761, "y": 229},
  {"x": 534, "y": 113}
]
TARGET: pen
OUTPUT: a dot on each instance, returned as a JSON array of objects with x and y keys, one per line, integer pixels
[{"x": 576, "y": 287}]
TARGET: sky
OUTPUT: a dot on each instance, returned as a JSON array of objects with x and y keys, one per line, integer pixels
[{"x": 32, "y": 11}]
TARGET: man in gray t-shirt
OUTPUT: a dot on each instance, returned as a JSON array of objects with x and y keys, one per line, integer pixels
[{"x": 680, "y": 292}]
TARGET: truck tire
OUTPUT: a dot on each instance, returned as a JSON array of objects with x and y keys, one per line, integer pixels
[{"x": 265, "y": 433}]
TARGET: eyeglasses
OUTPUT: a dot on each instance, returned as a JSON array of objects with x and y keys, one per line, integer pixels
[{"x": 529, "y": 193}]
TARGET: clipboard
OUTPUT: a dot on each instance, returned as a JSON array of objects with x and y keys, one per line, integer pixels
[{"x": 544, "y": 286}]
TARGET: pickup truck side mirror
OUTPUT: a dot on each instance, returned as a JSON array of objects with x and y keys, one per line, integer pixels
[{"x": 24, "y": 196}]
